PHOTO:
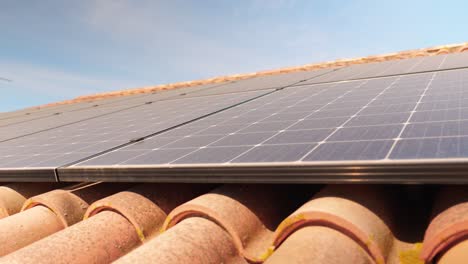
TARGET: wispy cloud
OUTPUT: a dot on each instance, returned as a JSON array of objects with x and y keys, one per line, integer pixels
[
  {"x": 193, "y": 44},
  {"x": 165, "y": 34}
]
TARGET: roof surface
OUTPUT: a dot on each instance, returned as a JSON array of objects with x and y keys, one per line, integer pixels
[{"x": 188, "y": 222}]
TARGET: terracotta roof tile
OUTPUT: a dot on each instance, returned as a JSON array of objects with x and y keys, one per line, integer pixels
[
  {"x": 47, "y": 213},
  {"x": 146, "y": 206},
  {"x": 13, "y": 196},
  {"x": 249, "y": 213},
  {"x": 319, "y": 244},
  {"x": 70, "y": 204},
  {"x": 137, "y": 214},
  {"x": 457, "y": 254},
  {"x": 24, "y": 228},
  {"x": 236, "y": 224},
  {"x": 450, "y": 224},
  {"x": 193, "y": 240},
  {"x": 357, "y": 211},
  {"x": 101, "y": 239}
]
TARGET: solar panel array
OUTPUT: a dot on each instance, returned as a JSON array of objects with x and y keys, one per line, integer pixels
[
  {"x": 412, "y": 110},
  {"x": 56, "y": 116},
  {"x": 296, "y": 124},
  {"x": 62, "y": 115}
]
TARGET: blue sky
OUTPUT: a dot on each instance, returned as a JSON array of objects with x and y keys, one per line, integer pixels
[{"x": 55, "y": 50}]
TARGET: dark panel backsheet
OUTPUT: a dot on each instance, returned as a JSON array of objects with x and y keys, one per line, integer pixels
[
  {"x": 72, "y": 142},
  {"x": 376, "y": 121}
]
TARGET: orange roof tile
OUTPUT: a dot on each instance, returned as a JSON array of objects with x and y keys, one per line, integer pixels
[{"x": 233, "y": 224}]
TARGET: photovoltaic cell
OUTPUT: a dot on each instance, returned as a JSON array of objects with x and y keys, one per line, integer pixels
[
  {"x": 438, "y": 123},
  {"x": 432, "y": 148},
  {"x": 455, "y": 60},
  {"x": 72, "y": 142},
  {"x": 368, "y": 70},
  {"x": 15, "y": 130},
  {"x": 357, "y": 150}
]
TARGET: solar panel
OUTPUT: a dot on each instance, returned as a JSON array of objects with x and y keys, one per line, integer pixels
[
  {"x": 19, "y": 129},
  {"x": 264, "y": 82},
  {"x": 438, "y": 128},
  {"x": 257, "y": 83},
  {"x": 68, "y": 143},
  {"x": 10, "y": 120},
  {"x": 250, "y": 84},
  {"x": 394, "y": 67},
  {"x": 380, "y": 69},
  {"x": 245, "y": 85},
  {"x": 38, "y": 112},
  {"x": 87, "y": 109},
  {"x": 455, "y": 60},
  {"x": 382, "y": 120},
  {"x": 265, "y": 124},
  {"x": 58, "y": 116},
  {"x": 34, "y": 121}
]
